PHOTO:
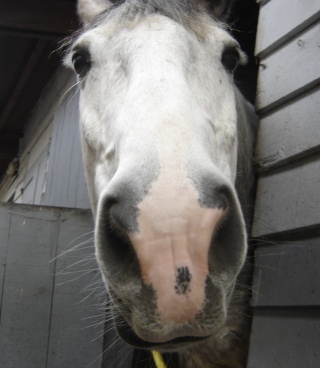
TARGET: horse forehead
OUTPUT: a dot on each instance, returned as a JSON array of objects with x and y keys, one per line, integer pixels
[{"x": 158, "y": 26}]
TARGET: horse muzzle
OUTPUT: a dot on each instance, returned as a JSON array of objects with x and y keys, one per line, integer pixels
[{"x": 171, "y": 258}]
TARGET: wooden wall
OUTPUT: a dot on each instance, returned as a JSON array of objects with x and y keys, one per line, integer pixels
[
  {"x": 286, "y": 289},
  {"x": 51, "y": 171},
  {"x": 65, "y": 183},
  {"x": 52, "y": 306}
]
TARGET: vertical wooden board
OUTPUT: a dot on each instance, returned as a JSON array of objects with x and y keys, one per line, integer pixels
[
  {"x": 77, "y": 182},
  {"x": 5, "y": 220},
  {"x": 34, "y": 180},
  {"x": 288, "y": 200},
  {"x": 290, "y": 132},
  {"x": 285, "y": 338},
  {"x": 65, "y": 173},
  {"x": 287, "y": 274},
  {"x": 290, "y": 71},
  {"x": 72, "y": 342},
  {"x": 59, "y": 162},
  {"x": 27, "y": 293},
  {"x": 280, "y": 20},
  {"x": 51, "y": 97},
  {"x": 40, "y": 184}
]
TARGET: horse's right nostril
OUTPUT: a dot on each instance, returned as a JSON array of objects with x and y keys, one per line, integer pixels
[
  {"x": 212, "y": 195},
  {"x": 120, "y": 211},
  {"x": 114, "y": 224}
]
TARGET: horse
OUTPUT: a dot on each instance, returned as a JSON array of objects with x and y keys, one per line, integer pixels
[{"x": 167, "y": 142}]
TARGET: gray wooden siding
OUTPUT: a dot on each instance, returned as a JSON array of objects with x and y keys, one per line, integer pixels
[
  {"x": 286, "y": 284},
  {"x": 65, "y": 184},
  {"x": 51, "y": 171},
  {"x": 44, "y": 315}
]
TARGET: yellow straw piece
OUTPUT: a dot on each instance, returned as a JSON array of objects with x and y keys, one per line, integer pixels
[{"x": 157, "y": 357}]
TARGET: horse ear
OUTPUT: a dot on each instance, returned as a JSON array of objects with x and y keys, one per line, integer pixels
[
  {"x": 221, "y": 9},
  {"x": 88, "y": 9}
]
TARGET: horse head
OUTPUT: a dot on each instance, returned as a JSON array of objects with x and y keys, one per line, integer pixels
[{"x": 160, "y": 133}]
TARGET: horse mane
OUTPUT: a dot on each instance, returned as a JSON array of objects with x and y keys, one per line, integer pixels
[{"x": 189, "y": 13}]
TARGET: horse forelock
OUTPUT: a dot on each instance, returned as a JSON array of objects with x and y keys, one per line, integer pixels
[{"x": 189, "y": 13}]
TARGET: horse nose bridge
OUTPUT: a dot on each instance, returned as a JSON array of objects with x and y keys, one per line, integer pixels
[{"x": 166, "y": 202}]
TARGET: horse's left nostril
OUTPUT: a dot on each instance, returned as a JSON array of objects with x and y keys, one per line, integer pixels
[{"x": 116, "y": 218}]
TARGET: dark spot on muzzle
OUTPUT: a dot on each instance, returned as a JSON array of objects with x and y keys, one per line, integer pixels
[{"x": 183, "y": 279}]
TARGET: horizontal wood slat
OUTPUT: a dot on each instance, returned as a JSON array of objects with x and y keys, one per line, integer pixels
[
  {"x": 287, "y": 274},
  {"x": 289, "y": 133},
  {"x": 288, "y": 200},
  {"x": 286, "y": 338},
  {"x": 290, "y": 71},
  {"x": 279, "y": 21}
]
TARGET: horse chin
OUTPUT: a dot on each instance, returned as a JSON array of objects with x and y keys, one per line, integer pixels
[{"x": 128, "y": 335}]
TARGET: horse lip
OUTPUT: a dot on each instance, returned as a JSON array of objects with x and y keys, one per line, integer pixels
[{"x": 129, "y": 336}]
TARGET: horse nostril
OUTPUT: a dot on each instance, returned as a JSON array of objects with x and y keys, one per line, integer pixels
[
  {"x": 215, "y": 197},
  {"x": 121, "y": 212},
  {"x": 114, "y": 245},
  {"x": 222, "y": 197}
]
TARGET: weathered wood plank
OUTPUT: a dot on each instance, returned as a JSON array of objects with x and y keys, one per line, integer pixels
[
  {"x": 66, "y": 185},
  {"x": 290, "y": 71},
  {"x": 280, "y": 21},
  {"x": 285, "y": 338},
  {"x": 77, "y": 181},
  {"x": 72, "y": 343},
  {"x": 288, "y": 200},
  {"x": 287, "y": 274},
  {"x": 289, "y": 133},
  {"x": 27, "y": 293},
  {"x": 5, "y": 221}
]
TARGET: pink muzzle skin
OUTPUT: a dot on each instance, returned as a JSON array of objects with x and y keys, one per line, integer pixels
[{"x": 172, "y": 248}]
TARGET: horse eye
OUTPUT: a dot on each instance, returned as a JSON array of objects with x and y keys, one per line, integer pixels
[
  {"x": 230, "y": 59},
  {"x": 81, "y": 63}
]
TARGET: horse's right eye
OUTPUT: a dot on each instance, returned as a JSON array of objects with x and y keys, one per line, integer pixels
[
  {"x": 230, "y": 58},
  {"x": 81, "y": 63}
]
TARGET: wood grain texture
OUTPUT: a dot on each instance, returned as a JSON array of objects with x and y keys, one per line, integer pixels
[
  {"x": 290, "y": 71},
  {"x": 289, "y": 133},
  {"x": 278, "y": 22},
  {"x": 27, "y": 293},
  {"x": 285, "y": 338},
  {"x": 72, "y": 307},
  {"x": 5, "y": 222},
  {"x": 42, "y": 325},
  {"x": 288, "y": 199},
  {"x": 287, "y": 274},
  {"x": 66, "y": 184},
  {"x": 286, "y": 295}
]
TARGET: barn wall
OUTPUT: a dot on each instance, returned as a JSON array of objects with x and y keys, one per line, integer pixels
[
  {"x": 286, "y": 288},
  {"x": 52, "y": 299},
  {"x": 44, "y": 313},
  {"x": 65, "y": 184},
  {"x": 49, "y": 144}
]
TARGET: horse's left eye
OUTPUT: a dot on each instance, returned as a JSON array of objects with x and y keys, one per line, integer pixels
[
  {"x": 230, "y": 59},
  {"x": 81, "y": 63}
]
